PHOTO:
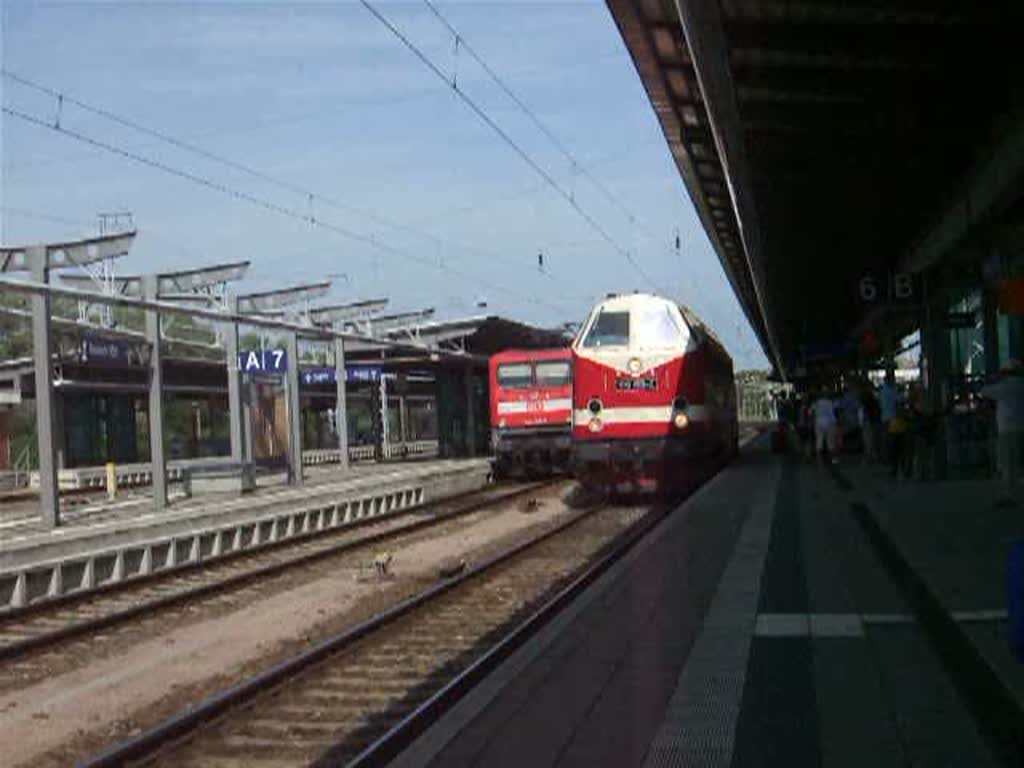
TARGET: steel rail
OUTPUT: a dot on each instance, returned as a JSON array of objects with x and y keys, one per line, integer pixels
[
  {"x": 177, "y": 726},
  {"x": 403, "y": 733},
  {"x": 231, "y": 583}
]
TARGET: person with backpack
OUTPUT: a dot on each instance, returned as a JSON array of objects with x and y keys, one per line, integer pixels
[
  {"x": 898, "y": 431},
  {"x": 870, "y": 421}
]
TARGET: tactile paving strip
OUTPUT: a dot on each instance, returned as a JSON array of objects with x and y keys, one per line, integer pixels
[{"x": 700, "y": 720}]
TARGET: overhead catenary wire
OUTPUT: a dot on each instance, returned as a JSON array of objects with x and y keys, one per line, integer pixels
[
  {"x": 348, "y": 105},
  {"x": 268, "y": 205},
  {"x": 575, "y": 164},
  {"x": 525, "y": 109},
  {"x": 505, "y": 137},
  {"x": 309, "y": 197}
]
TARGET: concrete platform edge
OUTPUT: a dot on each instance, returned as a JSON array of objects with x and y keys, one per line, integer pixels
[
  {"x": 89, "y": 561},
  {"x": 231, "y": 508},
  {"x": 700, "y": 721},
  {"x": 429, "y": 744}
]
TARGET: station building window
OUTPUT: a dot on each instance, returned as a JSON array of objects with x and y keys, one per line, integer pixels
[
  {"x": 99, "y": 428},
  {"x": 395, "y": 420},
  {"x": 967, "y": 343},
  {"x": 422, "y": 418},
  {"x": 360, "y": 420}
]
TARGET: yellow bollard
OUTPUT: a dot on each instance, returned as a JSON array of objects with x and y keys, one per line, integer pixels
[{"x": 111, "y": 481}]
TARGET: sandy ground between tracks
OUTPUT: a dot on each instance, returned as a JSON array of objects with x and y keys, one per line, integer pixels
[{"x": 48, "y": 722}]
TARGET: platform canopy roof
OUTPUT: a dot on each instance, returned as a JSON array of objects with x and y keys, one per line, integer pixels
[
  {"x": 820, "y": 140},
  {"x": 356, "y": 310},
  {"x": 77, "y": 253},
  {"x": 269, "y": 302},
  {"x": 169, "y": 284},
  {"x": 382, "y": 325},
  {"x": 440, "y": 332},
  {"x": 479, "y": 336}
]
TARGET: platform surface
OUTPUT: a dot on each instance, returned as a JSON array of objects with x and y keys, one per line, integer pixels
[
  {"x": 20, "y": 524},
  {"x": 758, "y": 626}
]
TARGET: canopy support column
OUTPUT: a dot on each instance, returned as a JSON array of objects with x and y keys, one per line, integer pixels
[
  {"x": 294, "y": 410},
  {"x": 157, "y": 455},
  {"x": 42, "y": 354},
  {"x": 340, "y": 406}
]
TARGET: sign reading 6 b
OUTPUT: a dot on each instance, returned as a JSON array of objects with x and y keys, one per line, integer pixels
[
  {"x": 868, "y": 289},
  {"x": 903, "y": 288},
  {"x": 899, "y": 288}
]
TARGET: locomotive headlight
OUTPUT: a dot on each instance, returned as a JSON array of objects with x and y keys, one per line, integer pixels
[
  {"x": 502, "y": 423},
  {"x": 594, "y": 406},
  {"x": 635, "y": 365},
  {"x": 680, "y": 420},
  {"x": 595, "y": 425}
]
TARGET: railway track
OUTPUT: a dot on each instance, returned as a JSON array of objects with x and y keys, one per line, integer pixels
[
  {"x": 358, "y": 696},
  {"x": 47, "y": 627}
]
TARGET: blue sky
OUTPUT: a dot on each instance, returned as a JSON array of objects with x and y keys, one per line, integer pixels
[{"x": 323, "y": 96}]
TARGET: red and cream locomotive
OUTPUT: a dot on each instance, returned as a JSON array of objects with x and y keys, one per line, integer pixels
[
  {"x": 531, "y": 411},
  {"x": 653, "y": 395}
]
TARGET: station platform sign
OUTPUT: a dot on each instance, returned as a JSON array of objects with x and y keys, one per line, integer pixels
[
  {"x": 255, "y": 361},
  {"x": 354, "y": 374}
]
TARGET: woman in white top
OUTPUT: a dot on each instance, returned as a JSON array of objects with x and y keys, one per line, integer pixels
[
  {"x": 1008, "y": 393},
  {"x": 824, "y": 422}
]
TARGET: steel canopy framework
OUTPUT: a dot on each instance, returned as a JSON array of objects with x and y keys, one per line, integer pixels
[
  {"x": 272, "y": 301},
  {"x": 200, "y": 294},
  {"x": 67, "y": 254},
  {"x": 820, "y": 141},
  {"x": 356, "y": 310},
  {"x": 169, "y": 284}
]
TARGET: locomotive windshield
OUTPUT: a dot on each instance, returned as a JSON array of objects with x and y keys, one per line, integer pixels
[
  {"x": 515, "y": 376},
  {"x": 610, "y": 329},
  {"x": 553, "y": 373},
  {"x": 655, "y": 326}
]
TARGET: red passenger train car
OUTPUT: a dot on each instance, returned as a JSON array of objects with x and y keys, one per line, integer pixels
[
  {"x": 531, "y": 411},
  {"x": 653, "y": 395}
]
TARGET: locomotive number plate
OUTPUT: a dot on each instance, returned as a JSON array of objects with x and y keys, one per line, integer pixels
[{"x": 645, "y": 384}]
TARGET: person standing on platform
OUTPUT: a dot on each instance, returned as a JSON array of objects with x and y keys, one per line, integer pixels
[
  {"x": 804, "y": 426},
  {"x": 849, "y": 417},
  {"x": 1008, "y": 393},
  {"x": 824, "y": 410},
  {"x": 888, "y": 404},
  {"x": 898, "y": 436},
  {"x": 870, "y": 418}
]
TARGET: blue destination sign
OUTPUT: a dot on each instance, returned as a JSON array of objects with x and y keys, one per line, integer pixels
[
  {"x": 358, "y": 374},
  {"x": 354, "y": 374},
  {"x": 263, "y": 361},
  {"x": 97, "y": 350},
  {"x": 317, "y": 375}
]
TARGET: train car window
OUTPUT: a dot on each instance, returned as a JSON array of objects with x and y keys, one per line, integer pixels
[
  {"x": 515, "y": 376},
  {"x": 655, "y": 326},
  {"x": 553, "y": 373},
  {"x": 610, "y": 329}
]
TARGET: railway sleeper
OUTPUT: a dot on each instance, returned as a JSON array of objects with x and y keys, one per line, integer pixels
[
  {"x": 307, "y": 726},
  {"x": 244, "y": 745},
  {"x": 336, "y": 691},
  {"x": 353, "y": 696}
]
